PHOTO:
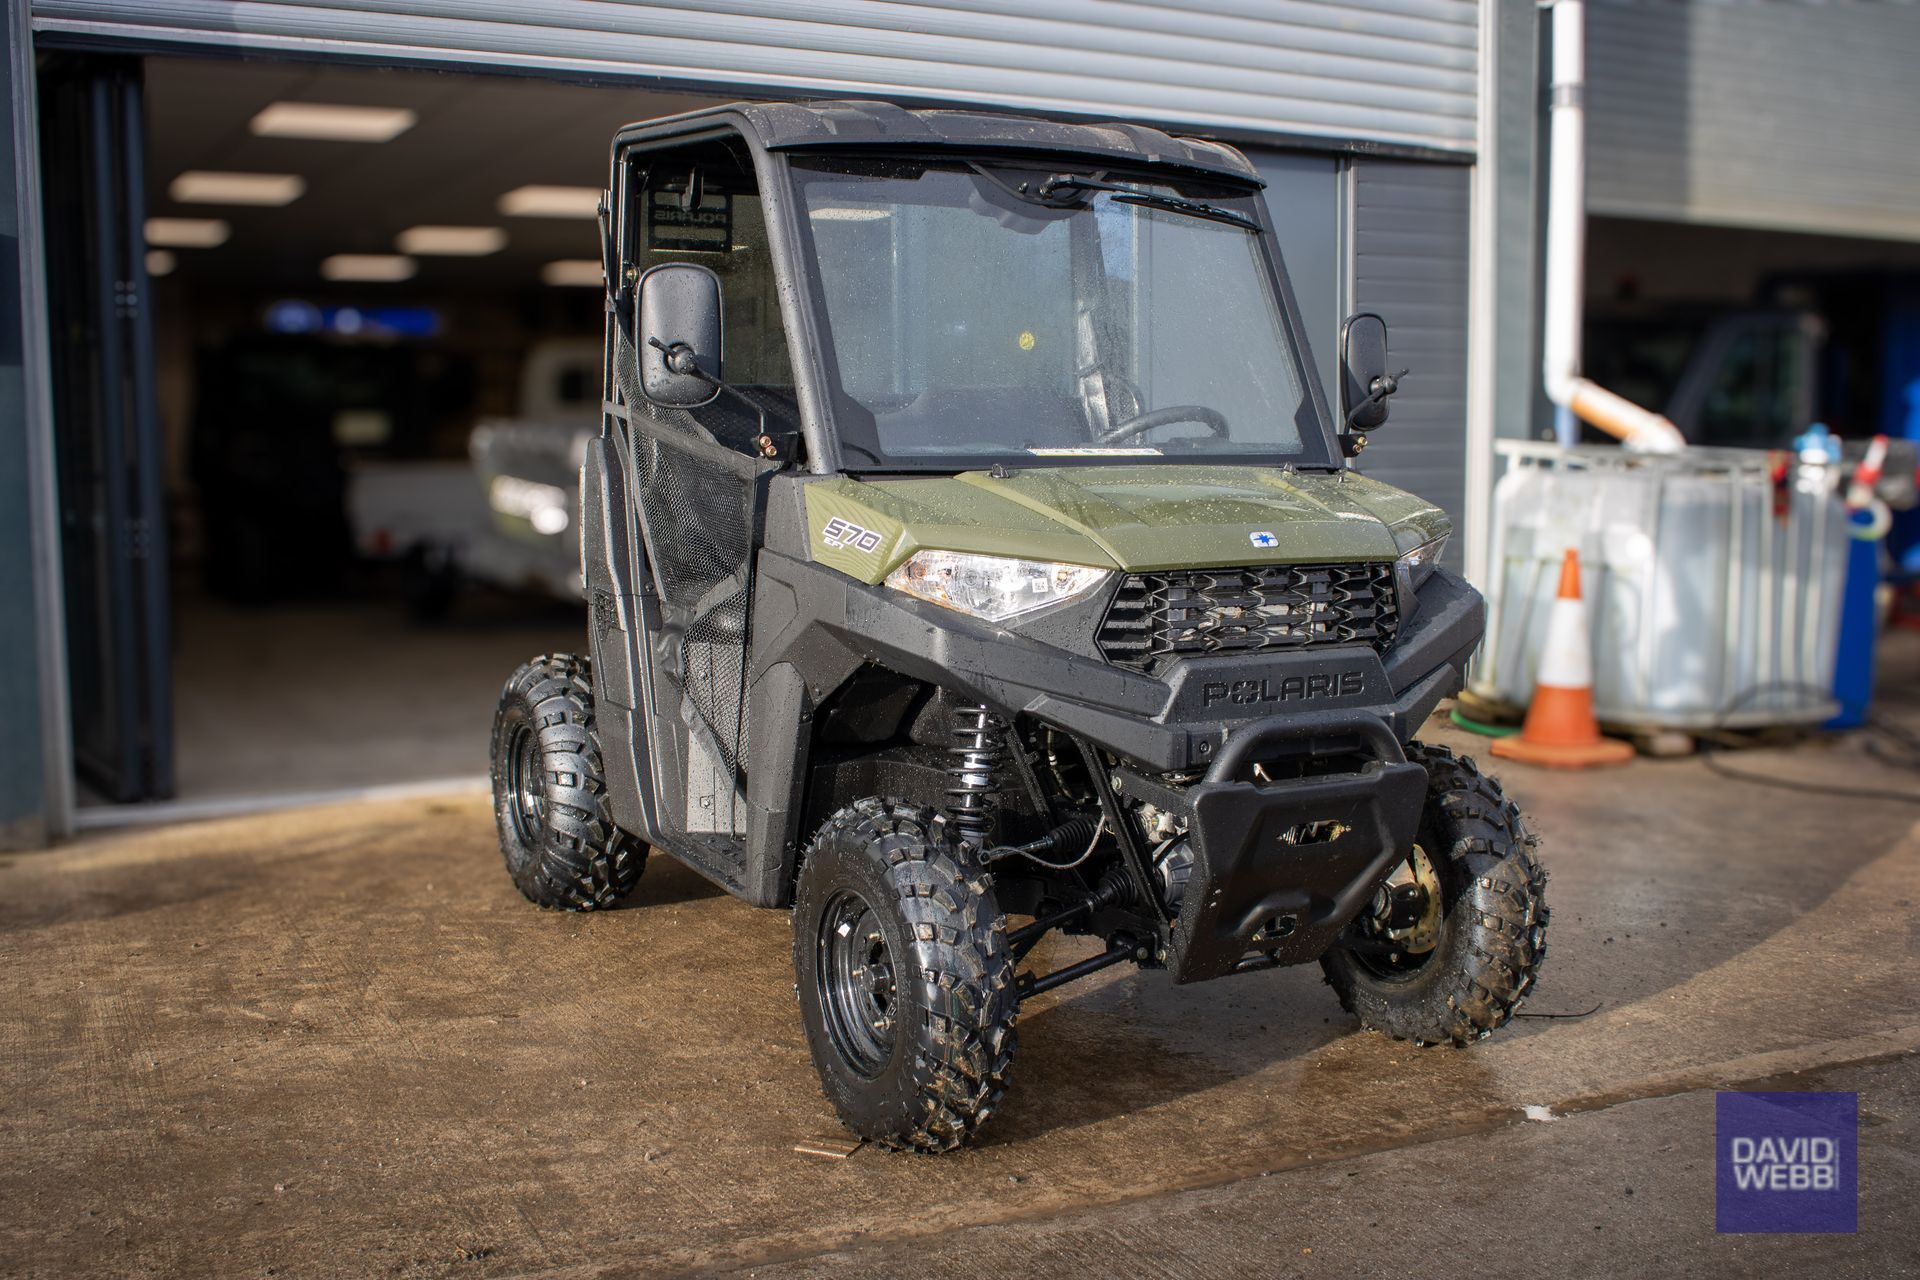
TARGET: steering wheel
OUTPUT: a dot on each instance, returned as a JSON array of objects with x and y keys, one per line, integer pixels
[{"x": 1208, "y": 418}]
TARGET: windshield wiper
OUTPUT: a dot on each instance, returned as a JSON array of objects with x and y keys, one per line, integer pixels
[{"x": 1123, "y": 194}]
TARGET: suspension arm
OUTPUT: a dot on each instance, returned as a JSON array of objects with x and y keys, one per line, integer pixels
[
  {"x": 1123, "y": 948},
  {"x": 1111, "y": 890}
]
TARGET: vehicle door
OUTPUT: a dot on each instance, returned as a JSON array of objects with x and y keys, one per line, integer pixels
[{"x": 697, "y": 481}]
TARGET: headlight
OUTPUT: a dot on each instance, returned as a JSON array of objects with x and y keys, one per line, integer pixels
[
  {"x": 992, "y": 587},
  {"x": 1418, "y": 564},
  {"x": 1412, "y": 569}
]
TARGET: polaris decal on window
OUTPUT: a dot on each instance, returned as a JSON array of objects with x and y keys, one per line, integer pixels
[
  {"x": 844, "y": 533},
  {"x": 707, "y": 228}
]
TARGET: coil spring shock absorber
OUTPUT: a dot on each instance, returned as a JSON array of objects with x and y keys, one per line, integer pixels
[{"x": 973, "y": 797}]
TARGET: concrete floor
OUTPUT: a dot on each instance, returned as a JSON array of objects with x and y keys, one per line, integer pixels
[
  {"x": 336, "y": 1042},
  {"x": 1627, "y": 1190},
  {"x": 339, "y": 694}
]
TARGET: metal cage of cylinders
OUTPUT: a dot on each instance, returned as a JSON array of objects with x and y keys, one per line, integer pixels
[{"x": 1712, "y": 579}]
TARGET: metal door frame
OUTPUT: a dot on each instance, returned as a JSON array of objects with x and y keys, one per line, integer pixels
[{"x": 49, "y": 602}]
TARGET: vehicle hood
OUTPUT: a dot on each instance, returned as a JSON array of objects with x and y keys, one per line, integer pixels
[{"x": 1135, "y": 518}]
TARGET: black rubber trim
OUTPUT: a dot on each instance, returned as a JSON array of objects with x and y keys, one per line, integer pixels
[{"x": 873, "y": 124}]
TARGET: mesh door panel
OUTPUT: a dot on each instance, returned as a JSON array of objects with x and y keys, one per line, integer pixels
[
  {"x": 699, "y": 504},
  {"x": 699, "y": 517}
]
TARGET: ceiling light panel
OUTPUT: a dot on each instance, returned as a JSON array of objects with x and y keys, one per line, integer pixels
[
  {"x": 551, "y": 202},
  {"x": 332, "y": 122},
  {"x": 187, "y": 233},
  {"x": 459, "y": 242},
  {"x": 385, "y": 267},
  {"x": 203, "y": 186},
  {"x": 573, "y": 272}
]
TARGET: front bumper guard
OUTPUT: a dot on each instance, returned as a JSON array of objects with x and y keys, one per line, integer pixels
[{"x": 1280, "y": 868}]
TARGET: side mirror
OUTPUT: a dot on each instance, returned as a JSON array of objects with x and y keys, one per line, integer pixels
[
  {"x": 679, "y": 335},
  {"x": 1365, "y": 383}
]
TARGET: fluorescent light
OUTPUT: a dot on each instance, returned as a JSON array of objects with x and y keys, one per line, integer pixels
[
  {"x": 368, "y": 266},
  {"x": 332, "y": 122},
  {"x": 187, "y": 233},
  {"x": 551, "y": 202},
  {"x": 159, "y": 262},
  {"x": 203, "y": 186},
  {"x": 848, "y": 213},
  {"x": 462, "y": 242},
  {"x": 574, "y": 271}
]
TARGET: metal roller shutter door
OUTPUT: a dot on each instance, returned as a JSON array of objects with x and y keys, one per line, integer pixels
[
  {"x": 1410, "y": 226},
  {"x": 1386, "y": 71},
  {"x": 1792, "y": 117}
]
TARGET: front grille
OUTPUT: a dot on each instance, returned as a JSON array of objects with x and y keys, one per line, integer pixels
[{"x": 1267, "y": 607}]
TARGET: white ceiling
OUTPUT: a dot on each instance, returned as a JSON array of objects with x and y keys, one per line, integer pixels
[{"x": 477, "y": 137}]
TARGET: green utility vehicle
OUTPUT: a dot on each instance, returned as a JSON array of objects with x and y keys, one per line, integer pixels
[{"x": 971, "y": 555}]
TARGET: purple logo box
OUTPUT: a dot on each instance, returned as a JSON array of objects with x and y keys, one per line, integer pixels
[{"x": 1787, "y": 1162}]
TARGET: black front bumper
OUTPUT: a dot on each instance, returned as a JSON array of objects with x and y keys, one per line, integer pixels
[
  {"x": 1280, "y": 868},
  {"x": 1180, "y": 718},
  {"x": 814, "y": 628}
]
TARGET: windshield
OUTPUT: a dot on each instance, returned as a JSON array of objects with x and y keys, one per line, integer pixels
[{"x": 977, "y": 315}]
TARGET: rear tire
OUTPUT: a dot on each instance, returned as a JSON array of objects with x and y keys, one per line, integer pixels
[
  {"x": 906, "y": 983},
  {"x": 550, "y": 792},
  {"x": 1493, "y": 925}
]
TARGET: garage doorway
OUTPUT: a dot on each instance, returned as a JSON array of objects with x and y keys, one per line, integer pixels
[
  {"x": 317, "y": 411},
  {"x": 373, "y": 304}
]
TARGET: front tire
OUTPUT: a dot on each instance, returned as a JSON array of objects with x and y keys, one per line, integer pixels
[
  {"x": 906, "y": 983},
  {"x": 1459, "y": 981},
  {"x": 550, "y": 791}
]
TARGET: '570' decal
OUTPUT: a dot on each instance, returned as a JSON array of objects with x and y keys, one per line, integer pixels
[{"x": 844, "y": 533}]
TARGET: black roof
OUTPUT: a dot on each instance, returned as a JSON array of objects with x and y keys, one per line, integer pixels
[{"x": 787, "y": 126}]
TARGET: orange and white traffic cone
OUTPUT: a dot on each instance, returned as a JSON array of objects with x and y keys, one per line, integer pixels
[{"x": 1560, "y": 729}]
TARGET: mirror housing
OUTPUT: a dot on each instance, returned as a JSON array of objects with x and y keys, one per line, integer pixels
[
  {"x": 678, "y": 334},
  {"x": 1365, "y": 383},
  {"x": 609, "y": 251}
]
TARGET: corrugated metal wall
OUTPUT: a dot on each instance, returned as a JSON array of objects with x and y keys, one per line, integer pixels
[
  {"x": 1303, "y": 198},
  {"x": 1411, "y": 234},
  {"x": 1791, "y": 116},
  {"x": 1395, "y": 71}
]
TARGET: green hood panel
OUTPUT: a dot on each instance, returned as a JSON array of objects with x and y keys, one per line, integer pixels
[
  {"x": 1176, "y": 517},
  {"x": 1136, "y": 518}
]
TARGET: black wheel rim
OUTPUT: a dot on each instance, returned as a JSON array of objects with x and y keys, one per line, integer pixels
[
  {"x": 858, "y": 991},
  {"x": 1404, "y": 965},
  {"x": 526, "y": 801}
]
